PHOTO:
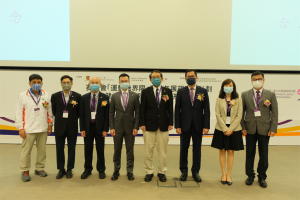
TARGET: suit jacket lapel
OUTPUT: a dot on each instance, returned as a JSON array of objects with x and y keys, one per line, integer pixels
[
  {"x": 88, "y": 101},
  {"x": 152, "y": 95},
  {"x": 198, "y": 89},
  {"x": 130, "y": 95},
  {"x": 250, "y": 96},
  {"x": 225, "y": 106},
  {"x": 187, "y": 94},
  {"x": 119, "y": 101},
  {"x": 264, "y": 94}
]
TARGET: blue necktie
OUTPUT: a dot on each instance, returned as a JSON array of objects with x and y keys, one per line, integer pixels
[{"x": 157, "y": 97}]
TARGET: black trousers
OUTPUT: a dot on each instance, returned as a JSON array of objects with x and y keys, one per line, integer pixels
[
  {"x": 185, "y": 138},
  {"x": 118, "y": 144},
  {"x": 60, "y": 150},
  {"x": 263, "y": 146},
  {"x": 89, "y": 148}
]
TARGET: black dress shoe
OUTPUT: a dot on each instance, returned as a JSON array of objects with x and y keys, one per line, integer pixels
[
  {"x": 61, "y": 174},
  {"x": 162, "y": 177},
  {"x": 86, "y": 174},
  {"x": 197, "y": 178},
  {"x": 262, "y": 183},
  {"x": 130, "y": 176},
  {"x": 69, "y": 174},
  {"x": 148, "y": 177},
  {"x": 249, "y": 180},
  {"x": 115, "y": 175},
  {"x": 229, "y": 183},
  {"x": 223, "y": 182},
  {"x": 183, "y": 176},
  {"x": 102, "y": 175}
]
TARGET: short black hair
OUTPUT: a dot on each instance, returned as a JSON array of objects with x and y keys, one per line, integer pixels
[
  {"x": 234, "y": 94},
  {"x": 257, "y": 73},
  {"x": 35, "y": 76},
  {"x": 190, "y": 70},
  {"x": 155, "y": 71},
  {"x": 66, "y": 76},
  {"x": 123, "y": 75}
]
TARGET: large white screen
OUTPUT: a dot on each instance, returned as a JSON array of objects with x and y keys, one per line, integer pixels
[
  {"x": 37, "y": 30},
  {"x": 265, "y": 32}
]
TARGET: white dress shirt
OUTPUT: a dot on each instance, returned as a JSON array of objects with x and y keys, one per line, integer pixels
[
  {"x": 254, "y": 97},
  {"x": 124, "y": 93},
  {"x": 67, "y": 96},
  {"x": 154, "y": 89}
]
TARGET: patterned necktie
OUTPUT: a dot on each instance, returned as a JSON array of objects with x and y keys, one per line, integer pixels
[
  {"x": 257, "y": 98},
  {"x": 192, "y": 96},
  {"x": 125, "y": 100},
  {"x": 157, "y": 97},
  {"x": 93, "y": 107}
]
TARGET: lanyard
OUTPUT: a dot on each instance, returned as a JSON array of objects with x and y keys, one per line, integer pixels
[
  {"x": 257, "y": 101},
  {"x": 37, "y": 103},
  {"x": 228, "y": 107},
  {"x": 124, "y": 100},
  {"x": 63, "y": 97},
  {"x": 157, "y": 97}
]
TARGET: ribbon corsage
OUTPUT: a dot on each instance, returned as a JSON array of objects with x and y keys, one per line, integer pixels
[
  {"x": 45, "y": 104},
  {"x": 200, "y": 97},
  {"x": 104, "y": 103},
  {"x": 232, "y": 103},
  {"x": 267, "y": 102},
  {"x": 74, "y": 103},
  {"x": 165, "y": 98}
]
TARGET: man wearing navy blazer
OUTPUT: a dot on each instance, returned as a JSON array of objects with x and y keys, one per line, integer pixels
[
  {"x": 192, "y": 119},
  {"x": 94, "y": 125},
  {"x": 65, "y": 108}
]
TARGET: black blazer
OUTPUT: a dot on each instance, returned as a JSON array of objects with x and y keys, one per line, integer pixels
[
  {"x": 185, "y": 112},
  {"x": 154, "y": 117},
  {"x": 70, "y": 124},
  {"x": 102, "y": 113}
]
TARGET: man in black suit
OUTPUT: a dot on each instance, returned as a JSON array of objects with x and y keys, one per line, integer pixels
[
  {"x": 192, "y": 119},
  {"x": 65, "y": 108},
  {"x": 94, "y": 124},
  {"x": 156, "y": 119}
]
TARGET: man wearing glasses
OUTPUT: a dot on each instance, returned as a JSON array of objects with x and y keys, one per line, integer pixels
[
  {"x": 65, "y": 108},
  {"x": 156, "y": 119},
  {"x": 124, "y": 123},
  {"x": 259, "y": 122},
  {"x": 192, "y": 119}
]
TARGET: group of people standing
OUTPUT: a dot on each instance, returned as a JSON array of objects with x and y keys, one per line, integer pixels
[{"x": 254, "y": 115}]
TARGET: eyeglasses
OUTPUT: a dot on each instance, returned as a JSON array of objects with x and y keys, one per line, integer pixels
[
  {"x": 65, "y": 82},
  {"x": 191, "y": 77},
  {"x": 124, "y": 81},
  {"x": 260, "y": 79},
  {"x": 155, "y": 77}
]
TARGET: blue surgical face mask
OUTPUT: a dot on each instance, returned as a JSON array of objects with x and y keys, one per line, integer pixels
[
  {"x": 228, "y": 90},
  {"x": 191, "y": 81},
  {"x": 156, "y": 81},
  {"x": 36, "y": 87},
  {"x": 124, "y": 86},
  {"x": 94, "y": 87}
]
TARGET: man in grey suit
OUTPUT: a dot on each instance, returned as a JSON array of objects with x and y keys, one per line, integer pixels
[
  {"x": 259, "y": 122},
  {"x": 124, "y": 123}
]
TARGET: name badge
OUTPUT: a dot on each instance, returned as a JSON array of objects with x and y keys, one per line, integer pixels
[
  {"x": 227, "y": 120},
  {"x": 65, "y": 114},
  {"x": 93, "y": 115},
  {"x": 257, "y": 113},
  {"x": 36, "y": 111}
]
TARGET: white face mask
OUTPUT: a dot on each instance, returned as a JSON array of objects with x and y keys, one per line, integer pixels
[{"x": 257, "y": 84}]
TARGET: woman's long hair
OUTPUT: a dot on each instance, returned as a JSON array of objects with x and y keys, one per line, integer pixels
[{"x": 234, "y": 94}]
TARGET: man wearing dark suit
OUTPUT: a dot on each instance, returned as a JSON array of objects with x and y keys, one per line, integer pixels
[
  {"x": 192, "y": 119},
  {"x": 156, "y": 119},
  {"x": 94, "y": 125},
  {"x": 124, "y": 123},
  {"x": 259, "y": 122},
  {"x": 65, "y": 108}
]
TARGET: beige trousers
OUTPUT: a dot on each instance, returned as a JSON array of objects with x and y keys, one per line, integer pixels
[
  {"x": 161, "y": 138},
  {"x": 27, "y": 144}
]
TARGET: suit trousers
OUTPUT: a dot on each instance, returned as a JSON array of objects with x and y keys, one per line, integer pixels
[
  {"x": 263, "y": 146},
  {"x": 27, "y": 144},
  {"x": 185, "y": 138},
  {"x": 118, "y": 144},
  {"x": 89, "y": 148},
  {"x": 161, "y": 138},
  {"x": 60, "y": 150}
]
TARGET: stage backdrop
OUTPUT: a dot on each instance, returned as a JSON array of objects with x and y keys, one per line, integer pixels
[{"x": 286, "y": 87}]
